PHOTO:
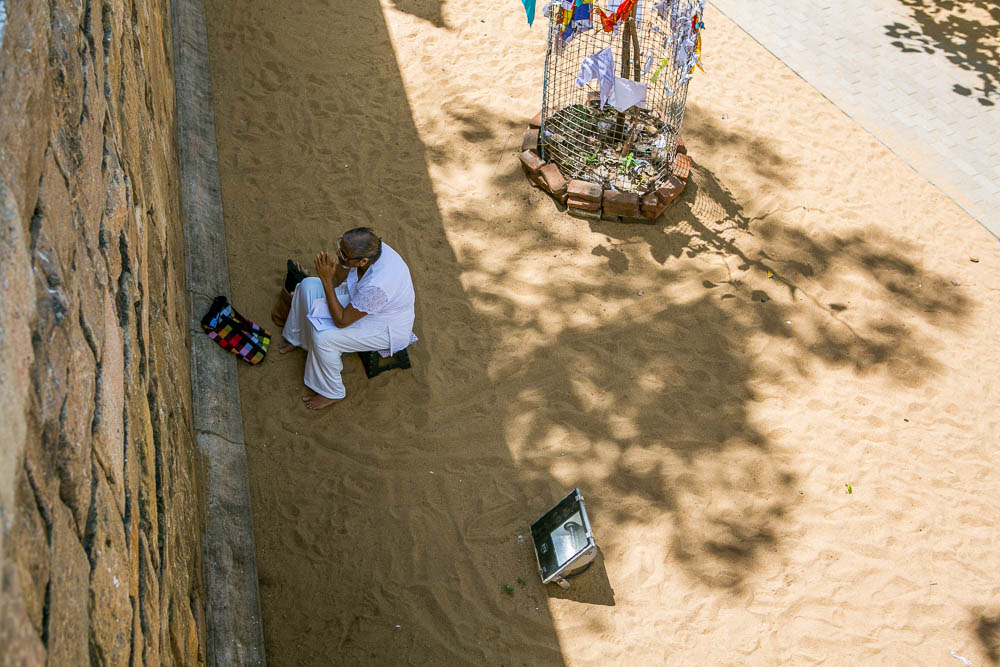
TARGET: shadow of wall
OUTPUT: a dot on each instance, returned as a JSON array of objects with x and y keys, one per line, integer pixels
[{"x": 376, "y": 520}]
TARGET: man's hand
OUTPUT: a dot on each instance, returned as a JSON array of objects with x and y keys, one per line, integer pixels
[
  {"x": 325, "y": 267},
  {"x": 327, "y": 270}
]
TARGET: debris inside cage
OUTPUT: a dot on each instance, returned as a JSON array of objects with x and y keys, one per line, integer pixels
[{"x": 620, "y": 151}]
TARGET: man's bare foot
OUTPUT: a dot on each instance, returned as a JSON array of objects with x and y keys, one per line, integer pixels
[
  {"x": 285, "y": 347},
  {"x": 317, "y": 402}
]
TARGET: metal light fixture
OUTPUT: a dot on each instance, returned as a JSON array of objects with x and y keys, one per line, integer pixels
[{"x": 564, "y": 544}]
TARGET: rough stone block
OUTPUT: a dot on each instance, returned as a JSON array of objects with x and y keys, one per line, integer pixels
[
  {"x": 109, "y": 429},
  {"x": 555, "y": 182},
  {"x": 621, "y": 203},
  {"x": 89, "y": 179},
  {"x": 536, "y": 121},
  {"x": 90, "y": 290},
  {"x": 132, "y": 537},
  {"x": 54, "y": 236},
  {"x": 115, "y": 214},
  {"x": 95, "y": 25},
  {"x": 69, "y": 633},
  {"x": 584, "y": 191},
  {"x": 138, "y": 642},
  {"x": 109, "y": 579},
  {"x": 31, "y": 556},
  {"x": 139, "y": 428},
  {"x": 21, "y": 643},
  {"x": 72, "y": 455},
  {"x": 183, "y": 632},
  {"x": 682, "y": 166},
  {"x": 530, "y": 140},
  {"x": 531, "y": 163},
  {"x": 582, "y": 204},
  {"x": 116, "y": 35},
  {"x": 25, "y": 106},
  {"x": 17, "y": 309},
  {"x": 149, "y": 603},
  {"x": 141, "y": 264},
  {"x": 67, "y": 84},
  {"x": 50, "y": 377}
]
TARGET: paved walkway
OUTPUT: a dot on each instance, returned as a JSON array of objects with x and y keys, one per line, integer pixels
[{"x": 899, "y": 73}]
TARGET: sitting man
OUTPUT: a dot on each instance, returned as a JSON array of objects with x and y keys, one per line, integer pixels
[{"x": 361, "y": 299}]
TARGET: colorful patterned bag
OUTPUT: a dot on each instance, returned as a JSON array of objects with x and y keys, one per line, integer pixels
[{"x": 234, "y": 332}]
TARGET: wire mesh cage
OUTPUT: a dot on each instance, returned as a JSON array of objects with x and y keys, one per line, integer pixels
[{"x": 615, "y": 88}]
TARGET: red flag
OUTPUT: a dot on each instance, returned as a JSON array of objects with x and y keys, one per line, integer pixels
[{"x": 622, "y": 13}]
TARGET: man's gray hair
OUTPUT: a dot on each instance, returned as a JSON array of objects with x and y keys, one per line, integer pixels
[{"x": 363, "y": 242}]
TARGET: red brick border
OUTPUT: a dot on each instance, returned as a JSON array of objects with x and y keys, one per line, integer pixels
[{"x": 587, "y": 200}]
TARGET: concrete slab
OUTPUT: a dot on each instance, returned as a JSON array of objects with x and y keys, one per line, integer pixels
[
  {"x": 904, "y": 95},
  {"x": 232, "y": 599}
]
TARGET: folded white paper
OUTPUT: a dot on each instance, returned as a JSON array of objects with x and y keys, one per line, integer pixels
[{"x": 319, "y": 315}]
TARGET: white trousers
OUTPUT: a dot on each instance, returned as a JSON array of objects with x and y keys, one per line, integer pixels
[{"x": 323, "y": 348}]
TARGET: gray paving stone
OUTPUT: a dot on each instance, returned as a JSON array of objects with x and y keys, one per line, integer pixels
[{"x": 906, "y": 99}]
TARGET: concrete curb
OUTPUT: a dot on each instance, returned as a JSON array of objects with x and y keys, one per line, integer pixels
[{"x": 232, "y": 600}]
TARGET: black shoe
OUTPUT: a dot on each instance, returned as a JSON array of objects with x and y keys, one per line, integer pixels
[{"x": 294, "y": 276}]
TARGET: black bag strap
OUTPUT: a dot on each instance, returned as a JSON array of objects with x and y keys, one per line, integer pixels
[{"x": 217, "y": 306}]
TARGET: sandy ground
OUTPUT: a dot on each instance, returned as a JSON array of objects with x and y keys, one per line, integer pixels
[{"x": 810, "y": 314}]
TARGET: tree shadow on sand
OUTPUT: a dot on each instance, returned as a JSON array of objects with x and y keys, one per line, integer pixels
[
  {"x": 667, "y": 429},
  {"x": 804, "y": 268},
  {"x": 967, "y": 32},
  {"x": 988, "y": 632}
]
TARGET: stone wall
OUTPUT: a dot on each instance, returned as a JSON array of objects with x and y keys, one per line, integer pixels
[{"x": 99, "y": 515}]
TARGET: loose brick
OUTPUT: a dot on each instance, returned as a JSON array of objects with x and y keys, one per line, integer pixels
[
  {"x": 554, "y": 180},
  {"x": 621, "y": 203},
  {"x": 670, "y": 190},
  {"x": 531, "y": 163},
  {"x": 594, "y": 99},
  {"x": 681, "y": 148},
  {"x": 530, "y": 140},
  {"x": 584, "y": 190},
  {"x": 682, "y": 166},
  {"x": 536, "y": 180},
  {"x": 582, "y": 204},
  {"x": 652, "y": 206},
  {"x": 536, "y": 122},
  {"x": 584, "y": 215}
]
